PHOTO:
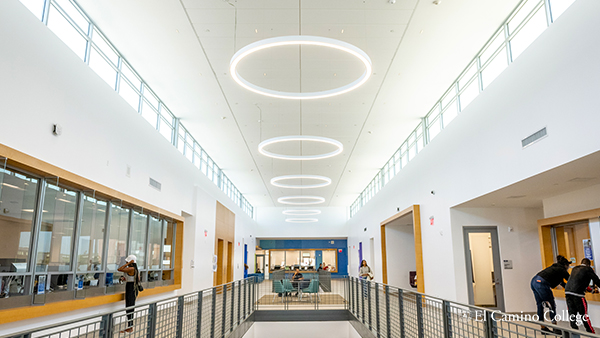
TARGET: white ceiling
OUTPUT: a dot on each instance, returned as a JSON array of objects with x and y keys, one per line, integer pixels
[{"x": 182, "y": 48}]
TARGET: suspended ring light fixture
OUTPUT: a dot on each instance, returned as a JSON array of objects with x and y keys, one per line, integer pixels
[
  {"x": 301, "y": 212},
  {"x": 263, "y": 144},
  {"x": 300, "y": 40},
  {"x": 301, "y": 220},
  {"x": 325, "y": 181},
  {"x": 315, "y": 200}
]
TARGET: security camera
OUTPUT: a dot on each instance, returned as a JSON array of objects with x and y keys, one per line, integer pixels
[
  {"x": 432, "y": 192},
  {"x": 392, "y": 1}
]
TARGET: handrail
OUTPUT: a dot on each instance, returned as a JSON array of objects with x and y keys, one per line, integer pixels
[
  {"x": 486, "y": 312},
  {"x": 137, "y": 306}
]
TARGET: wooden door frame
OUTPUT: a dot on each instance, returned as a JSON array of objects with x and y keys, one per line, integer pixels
[{"x": 416, "y": 217}]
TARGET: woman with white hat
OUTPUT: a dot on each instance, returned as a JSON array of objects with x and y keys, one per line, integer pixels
[{"x": 131, "y": 277}]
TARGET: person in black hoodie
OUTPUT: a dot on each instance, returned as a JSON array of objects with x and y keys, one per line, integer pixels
[
  {"x": 581, "y": 276},
  {"x": 543, "y": 283}
]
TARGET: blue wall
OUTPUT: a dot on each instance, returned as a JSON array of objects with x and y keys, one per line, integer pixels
[{"x": 342, "y": 257}]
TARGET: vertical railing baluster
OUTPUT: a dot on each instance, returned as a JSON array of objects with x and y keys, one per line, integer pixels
[
  {"x": 106, "y": 326},
  {"x": 224, "y": 307},
  {"x": 239, "y": 308},
  {"x": 199, "y": 316},
  {"x": 420, "y": 315},
  {"x": 378, "y": 328},
  {"x": 179, "y": 317},
  {"x": 152, "y": 314},
  {"x": 363, "y": 296},
  {"x": 369, "y": 303},
  {"x": 387, "y": 311},
  {"x": 212, "y": 315},
  {"x": 401, "y": 311},
  {"x": 232, "y": 307},
  {"x": 491, "y": 325},
  {"x": 245, "y": 296},
  {"x": 447, "y": 321}
]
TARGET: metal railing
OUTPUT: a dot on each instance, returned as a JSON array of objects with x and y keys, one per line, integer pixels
[
  {"x": 389, "y": 311},
  {"x": 212, "y": 313},
  {"x": 384, "y": 310},
  {"x": 316, "y": 291}
]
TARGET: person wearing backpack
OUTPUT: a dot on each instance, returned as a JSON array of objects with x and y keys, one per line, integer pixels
[{"x": 132, "y": 287}]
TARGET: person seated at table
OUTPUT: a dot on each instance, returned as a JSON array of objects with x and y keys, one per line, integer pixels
[{"x": 295, "y": 278}]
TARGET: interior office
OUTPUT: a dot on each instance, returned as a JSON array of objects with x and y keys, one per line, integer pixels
[{"x": 475, "y": 173}]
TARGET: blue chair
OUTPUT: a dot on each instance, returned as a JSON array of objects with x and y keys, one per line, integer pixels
[
  {"x": 287, "y": 285},
  {"x": 313, "y": 287},
  {"x": 280, "y": 289}
]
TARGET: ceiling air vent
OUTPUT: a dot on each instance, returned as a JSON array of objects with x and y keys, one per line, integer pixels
[
  {"x": 155, "y": 184},
  {"x": 534, "y": 137}
]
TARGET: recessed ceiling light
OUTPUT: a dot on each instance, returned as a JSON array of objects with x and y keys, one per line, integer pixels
[
  {"x": 315, "y": 200},
  {"x": 264, "y": 74},
  {"x": 256, "y": 30},
  {"x": 421, "y": 32},
  {"x": 300, "y": 40},
  {"x": 263, "y": 144},
  {"x": 223, "y": 117},
  {"x": 177, "y": 30},
  {"x": 301, "y": 220},
  {"x": 325, "y": 181},
  {"x": 301, "y": 212},
  {"x": 342, "y": 31}
]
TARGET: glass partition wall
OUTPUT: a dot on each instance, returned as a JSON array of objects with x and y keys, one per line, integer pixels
[
  {"x": 63, "y": 243},
  {"x": 304, "y": 259}
]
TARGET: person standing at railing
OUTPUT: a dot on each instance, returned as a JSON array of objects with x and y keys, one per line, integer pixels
[
  {"x": 581, "y": 276},
  {"x": 543, "y": 283},
  {"x": 131, "y": 272},
  {"x": 365, "y": 273}
]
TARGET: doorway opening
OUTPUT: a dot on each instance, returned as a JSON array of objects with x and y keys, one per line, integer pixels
[
  {"x": 484, "y": 273},
  {"x": 401, "y": 250}
]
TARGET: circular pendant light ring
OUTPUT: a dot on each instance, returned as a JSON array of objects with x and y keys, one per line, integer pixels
[
  {"x": 325, "y": 181},
  {"x": 312, "y": 199},
  {"x": 301, "y": 212},
  {"x": 301, "y": 220},
  {"x": 300, "y": 40},
  {"x": 263, "y": 144}
]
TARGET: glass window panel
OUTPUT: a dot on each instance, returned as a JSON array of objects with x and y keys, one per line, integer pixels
[
  {"x": 117, "y": 244},
  {"x": 150, "y": 97},
  {"x": 292, "y": 258},
  {"x": 559, "y": 6},
  {"x": 181, "y": 145},
  {"x": 17, "y": 198},
  {"x": 494, "y": 69},
  {"x": 66, "y": 32},
  {"x": 492, "y": 47},
  {"x": 154, "y": 243},
  {"x": 277, "y": 259},
  {"x": 168, "y": 252},
  {"x": 103, "y": 46},
  {"x": 137, "y": 241},
  {"x": 411, "y": 138},
  {"x": 433, "y": 114},
  {"x": 149, "y": 114},
  {"x": 74, "y": 14},
  {"x": 469, "y": 94},
  {"x": 525, "y": 9},
  {"x": 450, "y": 113},
  {"x": 165, "y": 129},
  {"x": 468, "y": 75},
  {"x": 130, "y": 75},
  {"x": 103, "y": 68},
  {"x": 189, "y": 153},
  {"x": 166, "y": 114},
  {"x": 330, "y": 259},
  {"x": 129, "y": 94},
  {"x": 448, "y": 97},
  {"x": 55, "y": 242},
  {"x": 197, "y": 160},
  {"x": 35, "y": 6},
  {"x": 532, "y": 29},
  {"x": 434, "y": 129},
  {"x": 91, "y": 237}
]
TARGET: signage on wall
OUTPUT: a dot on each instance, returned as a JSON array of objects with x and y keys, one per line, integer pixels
[
  {"x": 214, "y": 263},
  {"x": 205, "y": 233},
  {"x": 340, "y": 250},
  {"x": 508, "y": 264},
  {"x": 587, "y": 249},
  {"x": 431, "y": 220}
]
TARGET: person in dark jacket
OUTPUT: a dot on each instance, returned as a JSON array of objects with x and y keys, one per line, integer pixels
[
  {"x": 581, "y": 276},
  {"x": 543, "y": 283}
]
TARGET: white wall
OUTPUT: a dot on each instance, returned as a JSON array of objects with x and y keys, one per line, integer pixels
[
  {"x": 400, "y": 249},
  {"x": 480, "y": 151},
  {"x": 43, "y": 82},
  {"x": 575, "y": 201},
  {"x": 271, "y": 223}
]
